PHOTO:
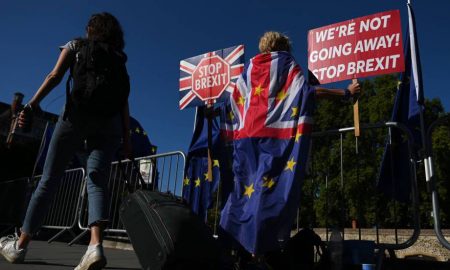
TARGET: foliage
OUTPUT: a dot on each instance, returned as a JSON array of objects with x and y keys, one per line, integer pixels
[{"x": 333, "y": 198}]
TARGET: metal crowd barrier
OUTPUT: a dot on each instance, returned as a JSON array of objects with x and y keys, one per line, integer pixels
[
  {"x": 162, "y": 172},
  {"x": 63, "y": 212},
  {"x": 15, "y": 196},
  {"x": 414, "y": 207},
  {"x": 431, "y": 180}
]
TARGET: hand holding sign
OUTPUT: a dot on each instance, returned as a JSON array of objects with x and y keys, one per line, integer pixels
[
  {"x": 354, "y": 88},
  {"x": 204, "y": 80}
]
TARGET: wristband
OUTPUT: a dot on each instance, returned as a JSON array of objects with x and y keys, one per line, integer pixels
[{"x": 28, "y": 107}]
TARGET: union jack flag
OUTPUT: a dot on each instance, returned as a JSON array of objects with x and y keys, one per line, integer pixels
[
  {"x": 233, "y": 56},
  {"x": 269, "y": 120}
]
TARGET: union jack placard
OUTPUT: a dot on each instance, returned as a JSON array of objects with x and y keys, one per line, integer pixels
[{"x": 210, "y": 77}]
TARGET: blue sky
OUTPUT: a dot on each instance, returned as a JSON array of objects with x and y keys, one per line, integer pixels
[{"x": 160, "y": 33}]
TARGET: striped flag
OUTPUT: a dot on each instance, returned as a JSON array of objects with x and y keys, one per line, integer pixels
[{"x": 269, "y": 120}]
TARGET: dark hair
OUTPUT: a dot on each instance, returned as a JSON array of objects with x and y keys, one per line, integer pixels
[{"x": 106, "y": 28}]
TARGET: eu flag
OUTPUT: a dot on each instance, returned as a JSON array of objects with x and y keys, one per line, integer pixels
[
  {"x": 269, "y": 119},
  {"x": 395, "y": 175},
  {"x": 198, "y": 189},
  {"x": 140, "y": 142}
]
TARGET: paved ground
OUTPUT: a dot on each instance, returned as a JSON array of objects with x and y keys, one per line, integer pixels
[{"x": 58, "y": 255}]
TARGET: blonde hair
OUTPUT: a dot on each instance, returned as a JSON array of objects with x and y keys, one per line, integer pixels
[{"x": 274, "y": 41}]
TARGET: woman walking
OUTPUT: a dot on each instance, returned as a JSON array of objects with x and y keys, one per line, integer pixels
[{"x": 96, "y": 114}]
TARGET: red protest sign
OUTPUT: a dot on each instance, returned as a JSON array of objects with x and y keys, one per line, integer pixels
[
  {"x": 210, "y": 77},
  {"x": 365, "y": 46}
]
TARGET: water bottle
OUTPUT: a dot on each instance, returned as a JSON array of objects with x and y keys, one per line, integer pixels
[{"x": 28, "y": 114}]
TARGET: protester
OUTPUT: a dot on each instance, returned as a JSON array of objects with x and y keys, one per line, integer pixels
[
  {"x": 94, "y": 115},
  {"x": 269, "y": 119}
]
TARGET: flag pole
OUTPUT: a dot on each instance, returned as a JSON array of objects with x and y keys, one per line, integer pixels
[{"x": 416, "y": 62}]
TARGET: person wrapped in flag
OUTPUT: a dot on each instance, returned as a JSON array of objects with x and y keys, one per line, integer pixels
[{"x": 269, "y": 120}]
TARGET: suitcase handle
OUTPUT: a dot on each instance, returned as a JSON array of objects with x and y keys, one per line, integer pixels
[{"x": 136, "y": 170}]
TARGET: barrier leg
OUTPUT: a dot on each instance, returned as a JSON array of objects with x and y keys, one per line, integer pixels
[
  {"x": 380, "y": 259},
  {"x": 6, "y": 230},
  {"x": 61, "y": 233},
  {"x": 78, "y": 237}
]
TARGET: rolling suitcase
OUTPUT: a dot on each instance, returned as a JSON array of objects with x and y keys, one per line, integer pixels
[{"x": 166, "y": 234}]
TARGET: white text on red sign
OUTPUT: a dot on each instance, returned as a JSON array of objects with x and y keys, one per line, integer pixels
[{"x": 365, "y": 46}]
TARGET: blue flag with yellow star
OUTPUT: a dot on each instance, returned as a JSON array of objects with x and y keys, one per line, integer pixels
[
  {"x": 269, "y": 119},
  {"x": 139, "y": 139},
  {"x": 394, "y": 178},
  {"x": 198, "y": 189}
]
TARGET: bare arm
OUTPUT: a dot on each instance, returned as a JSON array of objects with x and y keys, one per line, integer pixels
[
  {"x": 50, "y": 82},
  {"x": 53, "y": 78},
  {"x": 322, "y": 92}
]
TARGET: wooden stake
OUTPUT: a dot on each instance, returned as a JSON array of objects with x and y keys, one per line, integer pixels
[
  {"x": 210, "y": 116},
  {"x": 356, "y": 114}
]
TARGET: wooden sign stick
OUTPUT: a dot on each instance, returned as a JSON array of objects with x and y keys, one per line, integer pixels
[
  {"x": 356, "y": 114},
  {"x": 210, "y": 116}
]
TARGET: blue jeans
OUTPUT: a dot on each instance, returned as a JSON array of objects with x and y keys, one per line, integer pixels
[{"x": 102, "y": 136}]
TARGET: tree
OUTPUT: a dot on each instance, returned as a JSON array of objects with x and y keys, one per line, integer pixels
[{"x": 334, "y": 199}]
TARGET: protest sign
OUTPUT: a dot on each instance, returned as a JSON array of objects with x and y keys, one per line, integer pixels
[
  {"x": 365, "y": 46},
  {"x": 204, "y": 79}
]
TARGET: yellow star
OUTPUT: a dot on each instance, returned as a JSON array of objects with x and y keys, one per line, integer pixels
[
  {"x": 153, "y": 149},
  {"x": 186, "y": 181},
  {"x": 290, "y": 164},
  {"x": 216, "y": 163},
  {"x": 258, "y": 90},
  {"x": 231, "y": 116},
  {"x": 249, "y": 190},
  {"x": 145, "y": 133},
  {"x": 241, "y": 101},
  {"x": 281, "y": 95},
  {"x": 268, "y": 182},
  {"x": 294, "y": 111},
  {"x": 197, "y": 182},
  {"x": 297, "y": 136},
  {"x": 207, "y": 178},
  {"x": 137, "y": 130}
]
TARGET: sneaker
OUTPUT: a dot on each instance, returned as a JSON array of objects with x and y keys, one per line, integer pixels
[
  {"x": 9, "y": 250},
  {"x": 92, "y": 260}
]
